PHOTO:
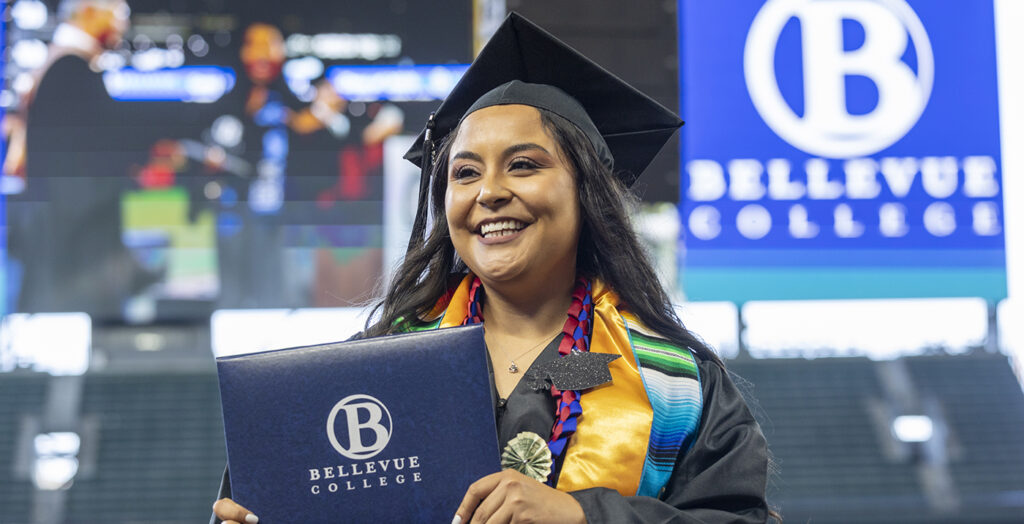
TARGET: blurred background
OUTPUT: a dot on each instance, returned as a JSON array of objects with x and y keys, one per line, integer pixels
[{"x": 188, "y": 179}]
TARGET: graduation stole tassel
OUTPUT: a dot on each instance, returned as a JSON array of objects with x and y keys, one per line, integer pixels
[{"x": 419, "y": 226}]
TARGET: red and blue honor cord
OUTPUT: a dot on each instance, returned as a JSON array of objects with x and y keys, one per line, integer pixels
[{"x": 575, "y": 337}]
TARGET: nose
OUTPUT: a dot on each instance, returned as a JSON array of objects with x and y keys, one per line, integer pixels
[{"x": 493, "y": 192}]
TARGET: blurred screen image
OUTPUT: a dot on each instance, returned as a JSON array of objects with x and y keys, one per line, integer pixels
[{"x": 163, "y": 160}]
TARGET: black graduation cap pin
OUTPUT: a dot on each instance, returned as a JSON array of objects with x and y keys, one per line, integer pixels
[{"x": 575, "y": 371}]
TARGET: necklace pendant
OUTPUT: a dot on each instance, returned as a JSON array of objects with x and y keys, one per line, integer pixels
[{"x": 513, "y": 368}]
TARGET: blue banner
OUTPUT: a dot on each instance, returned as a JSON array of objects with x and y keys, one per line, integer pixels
[
  {"x": 840, "y": 149},
  {"x": 204, "y": 84},
  {"x": 395, "y": 83}
]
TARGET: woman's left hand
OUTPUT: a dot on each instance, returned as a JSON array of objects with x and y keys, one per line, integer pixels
[{"x": 510, "y": 496}]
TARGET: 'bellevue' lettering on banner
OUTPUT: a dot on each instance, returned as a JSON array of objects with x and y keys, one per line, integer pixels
[{"x": 744, "y": 180}]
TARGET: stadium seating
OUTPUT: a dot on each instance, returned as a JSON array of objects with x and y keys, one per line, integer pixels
[
  {"x": 828, "y": 449},
  {"x": 983, "y": 403},
  {"x": 160, "y": 450},
  {"x": 21, "y": 395}
]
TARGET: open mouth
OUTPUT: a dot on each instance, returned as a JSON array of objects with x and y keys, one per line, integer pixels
[{"x": 501, "y": 228}]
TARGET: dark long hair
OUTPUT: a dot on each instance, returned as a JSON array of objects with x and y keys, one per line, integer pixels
[{"x": 608, "y": 247}]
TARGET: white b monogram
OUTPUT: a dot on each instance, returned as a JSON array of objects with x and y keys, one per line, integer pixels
[
  {"x": 377, "y": 420},
  {"x": 826, "y": 127}
]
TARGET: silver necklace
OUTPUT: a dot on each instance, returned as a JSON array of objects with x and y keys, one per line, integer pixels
[{"x": 512, "y": 367}]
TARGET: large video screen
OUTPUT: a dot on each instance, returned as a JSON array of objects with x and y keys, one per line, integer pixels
[{"x": 165, "y": 159}]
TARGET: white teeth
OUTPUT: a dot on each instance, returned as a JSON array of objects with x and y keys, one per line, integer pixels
[{"x": 505, "y": 227}]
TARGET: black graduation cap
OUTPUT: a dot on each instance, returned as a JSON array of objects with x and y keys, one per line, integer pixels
[
  {"x": 524, "y": 64},
  {"x": 575, "y": 371}
]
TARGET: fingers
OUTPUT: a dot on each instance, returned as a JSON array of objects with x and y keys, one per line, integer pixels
[
  {"x": 493, "y": 499},
  {"x": 503, "y": 516},
  {"x": 510, "y": 496},
  {"x": 505, "y": 500},
  {"x": 491, "y": 508},
  {"x": 477, "y": 492},
  {"x": 232, "y": 513}
]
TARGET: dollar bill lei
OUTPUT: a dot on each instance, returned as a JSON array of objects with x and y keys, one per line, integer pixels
[{"x": 528, "y": 454}]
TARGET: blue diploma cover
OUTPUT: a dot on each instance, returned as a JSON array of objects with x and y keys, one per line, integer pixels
[{"x": 389, "y": 429}]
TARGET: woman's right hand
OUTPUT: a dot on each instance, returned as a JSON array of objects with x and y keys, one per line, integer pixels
[{"x": 230, "y": 512}]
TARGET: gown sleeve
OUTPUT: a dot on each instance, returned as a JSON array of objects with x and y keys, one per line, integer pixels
[{"x": 722, "y": 478}]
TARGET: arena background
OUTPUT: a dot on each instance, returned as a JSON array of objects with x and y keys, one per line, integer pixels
[{"x": 876, "y": 330}]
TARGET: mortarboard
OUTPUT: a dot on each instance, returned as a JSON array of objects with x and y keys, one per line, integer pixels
[{"x": 524, "y": 64}]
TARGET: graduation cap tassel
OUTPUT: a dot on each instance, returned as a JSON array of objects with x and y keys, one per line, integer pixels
[{"x": 419, "y": 226}]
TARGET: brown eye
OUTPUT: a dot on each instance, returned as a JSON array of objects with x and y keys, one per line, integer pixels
[
  {"x": 523, "y": 163},
  {"x": 463, "y": 172}
]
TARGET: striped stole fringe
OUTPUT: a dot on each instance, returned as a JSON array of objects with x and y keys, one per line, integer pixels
[{"x": 673, "y": 388}]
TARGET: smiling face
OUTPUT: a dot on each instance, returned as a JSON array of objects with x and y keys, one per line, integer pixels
[{"x": 511, "y": 202}]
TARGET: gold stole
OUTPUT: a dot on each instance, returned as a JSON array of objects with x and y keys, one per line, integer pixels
[{"x": 610, "y": 443}]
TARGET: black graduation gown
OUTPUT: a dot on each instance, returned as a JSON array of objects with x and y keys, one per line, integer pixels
[{"x": 722, "y": 478}]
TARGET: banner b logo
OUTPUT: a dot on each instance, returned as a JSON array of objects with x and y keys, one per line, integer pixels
[
  {"x": 367, "y": 426},
  {"x": 827, "y": 127}
]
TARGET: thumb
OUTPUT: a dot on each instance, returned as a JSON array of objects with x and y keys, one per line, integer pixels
[{"x": 229, "y": 510}]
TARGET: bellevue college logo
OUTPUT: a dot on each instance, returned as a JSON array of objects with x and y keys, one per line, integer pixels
[
  {"x": 826, "y": 127},
  {"x": 364, "y": 416}
]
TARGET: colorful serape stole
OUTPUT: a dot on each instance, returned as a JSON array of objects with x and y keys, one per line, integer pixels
[
  {"x": 673, "y": 389},
  {"x": 411, "y": 328}
]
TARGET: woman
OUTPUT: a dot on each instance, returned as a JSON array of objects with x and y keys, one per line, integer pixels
[{"x": 531, "y": 237}]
